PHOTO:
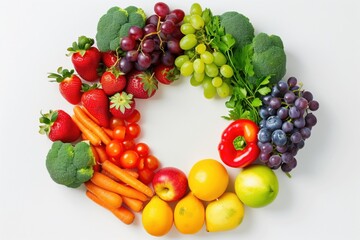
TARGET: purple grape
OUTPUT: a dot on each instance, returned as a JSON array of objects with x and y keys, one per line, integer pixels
[
  {"x": 307, "y": 95},
  {"x": 127, "y": 43},
  {"x": 144, "y": 60},
  {"x": 282, "y": 86},
  {"x": 313, "y": 105},
  {"x": 263, "y": 113},
  {"x": 299, "y": 122},
  {"x": 294, "y": 112},
  {"x": 289, "y": 97},
  {"x": 132, "y": 55},
  {"x": 148, "y": 45},
  {"x": 279, "y": 137},
  {"x": 283, "y": 113},
  {"x": 167, "y": 59},
  {"x": 264, "y": 157},
  {"x": 292, "y": 81},
  {"x": 167, "y": 27},
  {"x": 125, "y": 65},
  {"x": 177, "y": 34},
  {"x": 281, "y": 149},
  {"x": 172, "y": 17},
  {"x": 287, "y": 127},
  {"x": 310, "y": 120},
  {"x": 149, "y": 29},
  {"x": 275, "y": 103},
  {"x": 153, "y": 19},
  {"x": 266, "y": 147},
  {"x": 274, "y": 161},
  {"x": 305, "y": 132},
  {"x": 155, "y": 57},
  {"x": 300, "y": 144},
  {"x": 264, "y": 135},
  {"x": 275, "y": 91},
  {"x": 271, "y": 111},
  {"x": 301, "y": 103},
  {"x": 296, "y": 137},
  {"x": 266, "y": 99},
  {"x": 273, "y": 123},
  {"x": 136, "y": 32},
  {"x": 287, "y": 157},
  {"x": 173, "y": 46}
]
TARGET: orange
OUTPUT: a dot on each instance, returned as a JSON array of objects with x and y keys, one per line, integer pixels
[
  {"x": 189, "y": 214},
  {"x": 157, "y": 217},
  {"x": 208, "y": 179}
]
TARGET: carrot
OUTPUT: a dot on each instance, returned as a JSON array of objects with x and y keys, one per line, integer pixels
[
  {"x": 127, "y": 178},
  {"x": 91, "y": 125},
  {"x": 121, "y": 213},
  {"x": 110, "y": 198},
  {"x": 102, "y": 153},
  {"x": 131, "y": 172},
  {"x": 94, "y": 139},
  {"x": 134, "y": 204},
  {"x": 109, "y": 184},
  {"x": 108, "y": 131}
]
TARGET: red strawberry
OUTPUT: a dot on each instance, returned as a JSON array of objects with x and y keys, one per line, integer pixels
[
  {"x": 109, "y": 58},
  {"x": 112, "y": 82},
  {"x": 96, "y": 103},
  {"x": 86, "y": 59},
  {"x": 59, "y": 126},
  {"x": 165, "y": 74},
  {"x": 122, "y": 105},
  {"x": 141, "y": 84},
  {"x": 69, "y": 84}
]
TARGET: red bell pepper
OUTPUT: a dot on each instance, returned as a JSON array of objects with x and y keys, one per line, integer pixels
[{"x": 238, "y": 146}]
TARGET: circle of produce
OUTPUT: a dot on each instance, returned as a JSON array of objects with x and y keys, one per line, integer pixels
[{"x": 131, "y": 55}]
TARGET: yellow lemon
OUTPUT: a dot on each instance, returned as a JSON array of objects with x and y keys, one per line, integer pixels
[
  {"x": 208, "y": 179},
  {"x": 189, "y": 214},
  {"x": 225, "y": 213},
  {"x": 157, "y": 217}
]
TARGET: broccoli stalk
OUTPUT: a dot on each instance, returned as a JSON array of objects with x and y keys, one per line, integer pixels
[{"x": 70, "y": 165}]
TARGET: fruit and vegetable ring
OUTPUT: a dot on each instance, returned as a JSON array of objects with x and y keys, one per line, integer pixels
[{"x": 97, "y": 146}]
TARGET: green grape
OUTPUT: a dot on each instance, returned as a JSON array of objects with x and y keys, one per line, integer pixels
[
  {"x": 190, "y": 53},
  {"x": 194, "y": 82},
  {"x": 187, "y": 68},
  {"x": 197, "y": 22},
  {"x": 207, "y": 57},
  {"x": 209, "y": 89},
  {"x": 211, "y": 70},
  {"x": 226, "y": 71},
  {"x": 186, "y": 19},
  {"x": 180, "y": 60},
  {"x": 196, "y": 9},
  {"x": 223, "y": 91},
  {"x": 188, "y": 41},
  {"x": 217, "y": 81},
  {"x": 200, "y": 48},
  {"x": 219, "y": 59},
  {"x": 199, "y": 77},
  {"x": 187, "y": 28},
  {"x": 199, "y": 66}
]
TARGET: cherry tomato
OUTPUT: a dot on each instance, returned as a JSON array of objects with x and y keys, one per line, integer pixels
[
  {"x": 141, "y": 163},
  {"x": 134, "y": 117},
  {"x": 151, "y": 162},
  {"x": 128, "y": 144},
  {"x": 114, "y": 122},
  {"x": 114, "y": 148},
  {"x": 129, "y": 159},
  {"x": 142, "y": 149},
  {"x": 119, "y": 132},
  {"x": 132, "y": 131},
  {"x": 146, "y": 175}
]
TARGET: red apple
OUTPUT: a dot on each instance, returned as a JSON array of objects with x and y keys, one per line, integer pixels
[{"x": 170, "y": 183}]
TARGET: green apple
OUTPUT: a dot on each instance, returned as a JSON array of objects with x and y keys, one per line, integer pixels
[{"x": 256, "y": 186}]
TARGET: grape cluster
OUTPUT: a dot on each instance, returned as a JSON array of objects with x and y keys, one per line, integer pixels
[
  {"x": 156, "y": 43},
  {"x": 205, "y": 66},
  {"x": 287, "y": 120}
]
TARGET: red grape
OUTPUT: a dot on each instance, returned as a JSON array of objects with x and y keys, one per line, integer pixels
[{"x": 161, "y": 9}]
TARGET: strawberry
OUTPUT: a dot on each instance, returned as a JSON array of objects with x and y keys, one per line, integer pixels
[
  {"x": 96, "y": 103},
  {"x": 141, "y": 84},
  {"x": 85, "y": 58},
  {"x": 165, "y": 74},
  {"x": 109, "y": 58},
  {"x": 69, "y": 84},
  {"x": 122, "y": 105},
  {"x": 59, "y": 126},
  {"x": 112, "y": 82}
]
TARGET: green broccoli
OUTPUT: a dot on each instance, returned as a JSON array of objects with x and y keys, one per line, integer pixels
[
  {"x": 238, "y": 26},
  {"x": 110, "y": 25},
  {"x": 70, "y": 165},
  {"x": 269, "y": 57}
]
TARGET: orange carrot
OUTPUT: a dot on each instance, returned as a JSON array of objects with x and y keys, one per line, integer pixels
[
  {"x": 93, "y": 138},
  {"x": 134, "y": 204},
  {"x": 91, "y": 125},
  {"x": 108, "y": 131},
  {"x": 102, "y": 153},
  {"x": 127, "y": 178},
  {"x": 121, "y": 213},
  {"x": 110, "y": 198},
  {"x": 107, "y": 183}
]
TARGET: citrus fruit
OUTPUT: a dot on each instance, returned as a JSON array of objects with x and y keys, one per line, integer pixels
[
  {"x": 208, "y": 179},
  {"x": 189, "y": 214},
  {"x": 157, "y": 217}
]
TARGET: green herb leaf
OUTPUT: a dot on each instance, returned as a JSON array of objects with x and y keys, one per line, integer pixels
[
  {"x": 264, "y": 90},
  {"x": 256, "y": 102}
]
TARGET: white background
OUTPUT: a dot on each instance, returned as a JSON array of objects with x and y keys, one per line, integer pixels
[{"x": 320, "y": 201}]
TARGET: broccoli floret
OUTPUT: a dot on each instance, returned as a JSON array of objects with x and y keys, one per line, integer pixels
[
  {"x": 269, "y": 57},
  {"x": 110, "y": 24},
  {"x": 70, "y": 165},
  {"x": 239, "y": 27}
]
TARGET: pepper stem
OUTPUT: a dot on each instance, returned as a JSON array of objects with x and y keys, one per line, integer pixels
[{"x": 239, "y": 143}]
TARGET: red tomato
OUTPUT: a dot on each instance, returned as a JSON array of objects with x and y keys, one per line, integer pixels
[
  {"x": 114, "y": 148},
  {"x": 129, "y": 159},
  {"x": 146, "y": 175},
  {"x": 142, "y": 149},
  {"x": 141, "y": 163},
  {"x": 114, "y": 122},
  {"x": 119, "y": 133},
  {"x": 132, "y": 130},
  {"x": 128, "y": 144},
  {"x": 134, "y": 117},
  {"x": 151, "y": 162}
]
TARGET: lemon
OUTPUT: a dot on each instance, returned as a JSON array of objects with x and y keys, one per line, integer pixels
[
  {"x": 208, "y": 179},
  {"x": 189, "y": 214},
  {"x": 157, "y": 217}
]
